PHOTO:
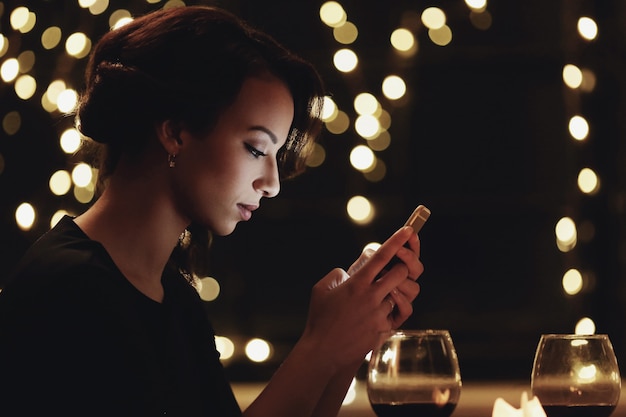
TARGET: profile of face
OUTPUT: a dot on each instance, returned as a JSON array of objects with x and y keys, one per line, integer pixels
[{"x": 220, "y": 177}]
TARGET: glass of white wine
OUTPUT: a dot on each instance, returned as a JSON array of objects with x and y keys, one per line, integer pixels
[
  {"x": 414, "y": 373},
  {"x": 576, "y": 375}
]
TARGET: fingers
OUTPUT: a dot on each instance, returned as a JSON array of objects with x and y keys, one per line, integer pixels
[
  {"x": 410, "y": 257},
  {"x": 379, "y": 259},
  {"x": 365, "y": 255},
  {"x": 402, "y": 306}
]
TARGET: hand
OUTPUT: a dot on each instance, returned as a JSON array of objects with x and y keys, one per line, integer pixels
[{"x": 349, "y": 312}]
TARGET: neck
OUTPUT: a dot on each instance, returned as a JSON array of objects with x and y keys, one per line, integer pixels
[{"x": 138, "y": 228}]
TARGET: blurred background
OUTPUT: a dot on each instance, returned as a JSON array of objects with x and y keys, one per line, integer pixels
[{"x": 505, "y": 118}]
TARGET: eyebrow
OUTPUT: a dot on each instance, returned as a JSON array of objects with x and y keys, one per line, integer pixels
[{"x": 267, "y": 131}]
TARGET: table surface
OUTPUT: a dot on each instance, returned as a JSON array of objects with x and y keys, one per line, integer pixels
[{"x": 477, "y": 398}]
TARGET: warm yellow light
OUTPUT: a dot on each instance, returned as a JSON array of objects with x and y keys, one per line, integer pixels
[
  {"x": 85, "y": 4},
  {"x": 84, "y": 194},
  {"x": 433, "y": 18},
  {"x": 578, "y": 128},
  {"x": 366, "y": 103},
  {"x": 82, "y": 175},
  {"x": 100, "y": 7},
  {"x": 373, "y": 246},
  {"x": 572, "y": 282},
  {"x": 19, "y": 17},
  {"x": 588, "y": 181},
  {"x": 367, "y": 126},
  {"x": 25, "y": 216},
  {"x": 362, "y": 157},
  {"x": 384, "y": 119},
  {"x": 380, "y": 142},
  {"x": 346, "y": 33},
  {"x": 4, "y": 45},
  {"x": 566, "y": 234},
  {"x": 378, "y": 172},
  {"x": 394, "y": 87},
  {"x": 26, "y": 60},
  {"x": 345, "y": 60},
  {"x": 208, "y": 288},
  {"x": 589, "y": 81},
  {"x": 51, "y": 37},
  {"x": 333, "y": 14},
  {"x": 585, "y": 326},
  {"x": 9, "y": 70},
  {"x": 258, "y": 350},
  {"x": 572, "y": 76},
  {"x": 360, "y": 210},
  {"x": 55, "y": 88},
  {"x": 67, "y": 100},
  {"x": 60, "y": 182},
  {"x": 476, "y": 4},
  {"x": 225, "y": 347},
  {"x": 441, "y": 36},
  {"x": 339, "y": 124},
  {"x": 25, "y": 87},
  {"x": 587, "y": 28},
  {"x": 330, "y": 109},
  {"x": 70, "y": 140},
  {"x": 402, "y": 39},
  {"x": 57, "y": 216},
  {"x": 78, "y": 45},
  {"x": 119, "y": 18},
  {"x": 317, "y": 157}
]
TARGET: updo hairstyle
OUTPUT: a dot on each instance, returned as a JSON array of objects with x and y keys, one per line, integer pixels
[{"x": 187, "y": 64}]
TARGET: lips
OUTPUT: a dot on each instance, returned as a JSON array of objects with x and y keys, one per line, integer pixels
[{"x": 246, "y": 210}]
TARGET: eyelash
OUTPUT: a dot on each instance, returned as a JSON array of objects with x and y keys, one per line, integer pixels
[{"x": 254, "y": 151}]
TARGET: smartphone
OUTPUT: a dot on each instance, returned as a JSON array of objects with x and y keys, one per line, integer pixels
[{"x": 416, "y": 220}]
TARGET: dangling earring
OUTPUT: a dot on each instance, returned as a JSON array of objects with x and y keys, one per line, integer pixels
[{"x": 171, "y": 160}]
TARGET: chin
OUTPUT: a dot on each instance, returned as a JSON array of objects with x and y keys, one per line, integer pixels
[{"x": 225, "y": 230}]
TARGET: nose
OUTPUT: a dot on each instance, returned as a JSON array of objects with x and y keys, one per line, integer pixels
[{"x": 268, "y": 182}]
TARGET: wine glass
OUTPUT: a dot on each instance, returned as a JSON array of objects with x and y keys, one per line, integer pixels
[
  {"x": 576, "y": 375},
  {"x": 414, "y": 372}
]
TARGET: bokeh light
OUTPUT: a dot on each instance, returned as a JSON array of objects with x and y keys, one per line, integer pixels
[
  {"x": 587, "y": 28},
  {"x": 25, "y": 216},
  {"x": 225, "y": 347},
  {"x": 345, "y": 60},
  {"x": 588, "y": 181},
  {"x": 333, "y": 14},
  {"x": 585, "y": 326},
  {"x": 362, "y": 158},
  {"x": 258, "y": 350},
  {"x": 566, "y": 235},
  {"x": 360, "y": 210},
  {"x": 208, "y": 288},
  {"x": 572, "y": 281},
  {"x": 578, "y": 127}
]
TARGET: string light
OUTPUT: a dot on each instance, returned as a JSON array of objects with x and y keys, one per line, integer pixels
[{"x": 578, "y": 81}]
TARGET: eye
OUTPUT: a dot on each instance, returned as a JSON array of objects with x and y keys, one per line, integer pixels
[{"x": 254, "y": 151}]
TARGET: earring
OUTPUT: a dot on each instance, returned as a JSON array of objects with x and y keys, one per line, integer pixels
[{"x": 171, "y": 160}]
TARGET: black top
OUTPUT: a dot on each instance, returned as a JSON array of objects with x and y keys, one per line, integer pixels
[{"x": 78, "y": 339}]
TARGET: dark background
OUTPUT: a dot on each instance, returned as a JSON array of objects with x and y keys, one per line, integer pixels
[{"x": 481, "y": 140}]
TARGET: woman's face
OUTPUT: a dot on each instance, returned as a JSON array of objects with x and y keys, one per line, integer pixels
[{"x": 221, "y": 177}]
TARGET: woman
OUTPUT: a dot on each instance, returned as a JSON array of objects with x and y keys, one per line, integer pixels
[{"x": 200, "y": 117}]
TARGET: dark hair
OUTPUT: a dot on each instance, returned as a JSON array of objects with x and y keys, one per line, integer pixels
[{"x": 187, "y": 64}]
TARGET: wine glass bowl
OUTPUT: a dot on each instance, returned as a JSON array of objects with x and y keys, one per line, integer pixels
[
  {"x": 414, "y": 372},
  {"x": 576, "y": 375}
]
